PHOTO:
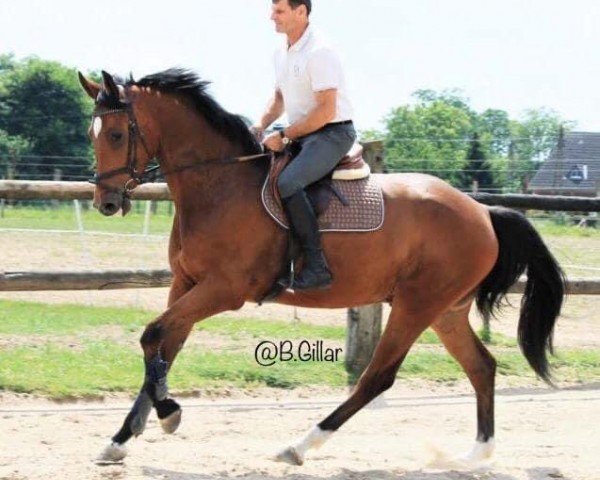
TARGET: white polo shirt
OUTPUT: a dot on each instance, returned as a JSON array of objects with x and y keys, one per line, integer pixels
[{"x": 309, "y": 66}]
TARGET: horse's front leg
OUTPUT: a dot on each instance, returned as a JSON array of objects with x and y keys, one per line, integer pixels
[{"x": 161, "y": 341}]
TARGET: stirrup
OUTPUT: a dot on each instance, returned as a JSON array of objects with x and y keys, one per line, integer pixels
[
  {"x": 319, "y": 280},
  {"x": 286, "y": 280}
]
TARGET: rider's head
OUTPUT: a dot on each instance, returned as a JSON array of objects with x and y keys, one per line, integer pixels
[{"x": 290, "y": 15}]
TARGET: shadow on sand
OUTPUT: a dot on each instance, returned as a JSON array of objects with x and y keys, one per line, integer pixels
[{"x": 345, "y": 474}]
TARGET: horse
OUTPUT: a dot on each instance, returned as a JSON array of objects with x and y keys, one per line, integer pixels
[{"x": 437, "y": 253}]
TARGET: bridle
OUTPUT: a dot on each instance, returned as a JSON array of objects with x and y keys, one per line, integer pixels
[
  {"x": 135, "y": 177},
  {"x": 150, "y": 173}
]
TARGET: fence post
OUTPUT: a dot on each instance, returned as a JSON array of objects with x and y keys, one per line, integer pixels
[
  {"x": 364, "y": 323},
  {"x": 2, "y": 203},
  {"x": 11, "y": 170},
  {"x": 57, "y": 177}
]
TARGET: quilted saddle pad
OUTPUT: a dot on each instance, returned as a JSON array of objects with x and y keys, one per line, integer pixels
[{"x": 365, "y": 212}]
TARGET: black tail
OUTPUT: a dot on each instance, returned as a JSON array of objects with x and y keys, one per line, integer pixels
[{"x": 521, "y": 249}]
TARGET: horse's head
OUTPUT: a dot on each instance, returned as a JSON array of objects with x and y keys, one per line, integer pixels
[{"x": 121, "y": 133}]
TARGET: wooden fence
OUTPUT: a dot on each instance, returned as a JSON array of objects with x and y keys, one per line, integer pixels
[
  {"x": 125, "y": 279},
  {"x": 49, "y": 190},
  {"x": 83, "y": 280}
]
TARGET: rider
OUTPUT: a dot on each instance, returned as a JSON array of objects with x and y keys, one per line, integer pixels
[{"x": 310, "y": 87}]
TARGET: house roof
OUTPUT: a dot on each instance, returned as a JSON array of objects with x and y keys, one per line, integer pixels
[{"x": 573, "y": 165}]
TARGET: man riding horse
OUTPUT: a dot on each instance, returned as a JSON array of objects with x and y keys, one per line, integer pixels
[
  {"x": 310, "y": 87},
  {"x": 436, "y": 253}
]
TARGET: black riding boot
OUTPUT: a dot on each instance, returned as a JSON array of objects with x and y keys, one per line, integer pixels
[{"x": 315, "y": 273}]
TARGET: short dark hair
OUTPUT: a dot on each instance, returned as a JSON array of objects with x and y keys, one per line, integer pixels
[{"x": 296, "y": 3}]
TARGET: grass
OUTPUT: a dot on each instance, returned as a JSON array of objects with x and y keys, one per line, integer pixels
[
  {"x": 23, "y": 318},
  {"x": 29, "y": 318},
  {"x": 91, "y": 366},
  {"x": 98, "y": 368},
  {"x": 260, "y": 329},
  {"x": 102, "y": 367},
  {"x": 63, "y": 218},
  {"x": 548, "y": 227}
]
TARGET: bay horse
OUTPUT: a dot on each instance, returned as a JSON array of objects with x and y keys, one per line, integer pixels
[{"x": 437, "y": 252}]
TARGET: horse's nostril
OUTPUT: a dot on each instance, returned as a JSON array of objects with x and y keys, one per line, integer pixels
[{"x": 109, "y": 208}]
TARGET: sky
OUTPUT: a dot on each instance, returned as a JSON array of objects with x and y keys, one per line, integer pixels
[{"x": 509, "y": 54}]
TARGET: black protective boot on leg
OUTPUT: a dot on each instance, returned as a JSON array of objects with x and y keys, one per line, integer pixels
[{"x": 315, "y": 273}]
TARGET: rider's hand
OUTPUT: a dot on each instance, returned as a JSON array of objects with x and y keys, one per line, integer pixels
[
  {"x": 258, "y": 131},
  {"x": 274, "y": 142}
]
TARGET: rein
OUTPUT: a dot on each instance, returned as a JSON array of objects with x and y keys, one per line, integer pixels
[{"x": 150, "y": 173}]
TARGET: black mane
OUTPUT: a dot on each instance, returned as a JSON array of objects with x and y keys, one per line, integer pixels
[{"x": 187, "y": 83}]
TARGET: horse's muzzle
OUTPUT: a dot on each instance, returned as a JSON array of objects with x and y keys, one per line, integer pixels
[{"x": 112, "y": 202}]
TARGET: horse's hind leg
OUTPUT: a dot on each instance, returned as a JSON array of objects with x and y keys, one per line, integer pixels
[
  {"x": 456, "y": 334},
  {"x": 400, "y": 333}
]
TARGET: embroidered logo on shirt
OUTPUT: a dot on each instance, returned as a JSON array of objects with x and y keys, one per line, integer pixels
[{"x": 296, "y": 70}]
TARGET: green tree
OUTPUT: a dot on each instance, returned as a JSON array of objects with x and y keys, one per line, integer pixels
[
  {"x": 7, "y": 62},
  {"x": 493, "y": 126},
  {"x": 435, "y": 135},
  {"x": 430, "y": 137},
  {"x": 370, "y": 135},
  {"x": 454, "y": 97},
  {"x": 11, "y": 150},
  {"x": 537, "y": 132},
  {"x": 531, "y": 141},
  {"x": 42, "y": 102},
  {"x": 477, "y": 168}
]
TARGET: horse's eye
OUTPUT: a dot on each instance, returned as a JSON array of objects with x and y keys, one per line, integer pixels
[{"x": 116, "y": 136}]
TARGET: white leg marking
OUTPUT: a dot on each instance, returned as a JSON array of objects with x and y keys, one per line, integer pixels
[
  {"x": 294, "y": 454},
  {"x": 480, "y": 452},
  {"x": 476, "y": 458},
  {"x": 97, "y": 126},
  {"x": 113, "y": 453}
]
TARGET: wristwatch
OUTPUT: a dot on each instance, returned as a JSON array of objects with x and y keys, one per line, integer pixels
[{"x": 285, "y": 140}]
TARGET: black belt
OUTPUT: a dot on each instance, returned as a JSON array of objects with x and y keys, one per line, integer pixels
[
  {"x": 327, "y": 125},
  {"x": 333, "y": 124},
  {"x": 345, "y": 122}
]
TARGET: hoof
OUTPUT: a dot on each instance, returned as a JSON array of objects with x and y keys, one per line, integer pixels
[
  {"x": 171, "y": 423},
  {"x": 290, "y": 456},
  {"x": 113, "y": 453},
  {"x": 481, "y": 452}
]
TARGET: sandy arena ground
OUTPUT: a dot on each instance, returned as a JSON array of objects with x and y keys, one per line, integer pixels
[{"x": 541, "y": 434}]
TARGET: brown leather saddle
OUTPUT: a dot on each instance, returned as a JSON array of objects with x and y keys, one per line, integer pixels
[{"x": 351, "y": 167}]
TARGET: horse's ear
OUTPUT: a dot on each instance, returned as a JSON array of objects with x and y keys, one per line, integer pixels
[
  {"x": 92, "y": 88},
  {"x": 110, "y": 85}
]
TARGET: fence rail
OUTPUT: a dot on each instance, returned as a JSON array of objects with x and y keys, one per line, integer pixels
[
  {"x": 83, "y": 280},
  {"x": 555, "y": 203},
  {"x": 48, "y": 190},
  {"x": 124, "y": 279}
]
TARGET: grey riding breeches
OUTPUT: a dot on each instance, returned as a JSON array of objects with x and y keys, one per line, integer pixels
[{"x": 321, "y": 152}]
